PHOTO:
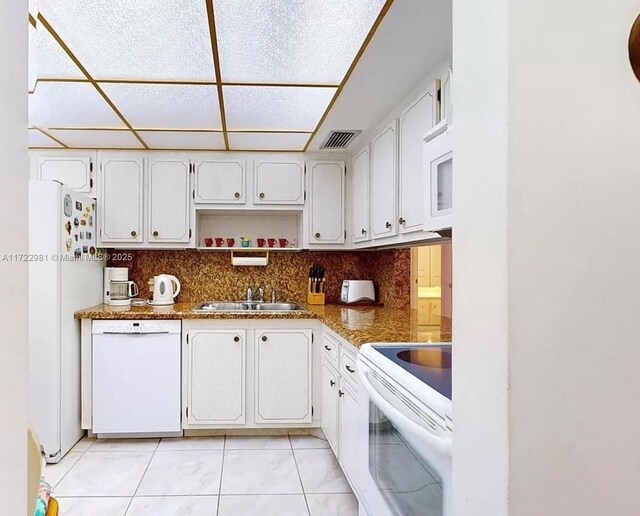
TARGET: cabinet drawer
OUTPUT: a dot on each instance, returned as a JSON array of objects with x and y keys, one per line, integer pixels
[
  {"x": 330, "y": 350},
  {"x": 348, "y": 367}
]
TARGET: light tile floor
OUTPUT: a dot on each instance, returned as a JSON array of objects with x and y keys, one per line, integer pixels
[{"x": 202, "y": 476}]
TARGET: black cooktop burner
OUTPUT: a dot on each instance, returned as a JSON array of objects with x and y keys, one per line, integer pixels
[{"x": 430, "y": 364}]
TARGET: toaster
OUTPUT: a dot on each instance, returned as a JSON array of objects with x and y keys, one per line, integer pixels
[{"x": 357, "y": 290}]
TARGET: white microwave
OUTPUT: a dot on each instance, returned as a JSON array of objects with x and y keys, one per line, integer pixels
[{"x": 437, "y": 156}]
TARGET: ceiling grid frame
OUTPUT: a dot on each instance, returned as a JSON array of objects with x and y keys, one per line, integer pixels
[
  {"x": 48, "y": 135},
  {"x": 216, "y": 65},
  {"x": 89, "y": 77}
]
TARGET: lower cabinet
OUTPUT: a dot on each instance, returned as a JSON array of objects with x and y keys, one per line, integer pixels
[
  {"x": 283, "y": 376},
  {"x": 330, "y": 405},
  {"x": 216, "y": 371},
  {"x": 349, "y": 432}
]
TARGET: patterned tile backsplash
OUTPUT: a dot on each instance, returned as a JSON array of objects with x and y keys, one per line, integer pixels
[{"x": 210, "y": 275}]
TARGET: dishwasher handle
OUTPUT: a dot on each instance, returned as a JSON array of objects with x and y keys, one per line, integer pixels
[{"x": 148, "y": 332}]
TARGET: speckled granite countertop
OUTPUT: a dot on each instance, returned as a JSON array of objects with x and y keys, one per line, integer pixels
[{"x": 357, "y": 325}]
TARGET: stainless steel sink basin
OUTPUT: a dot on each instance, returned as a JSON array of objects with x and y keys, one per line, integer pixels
[{"x": 245, "y": 306}]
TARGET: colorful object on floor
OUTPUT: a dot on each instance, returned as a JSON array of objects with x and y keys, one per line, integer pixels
[{"x": 44, "y": 494}]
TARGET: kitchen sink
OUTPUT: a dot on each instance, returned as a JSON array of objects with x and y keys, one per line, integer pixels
[{"x": 245, "y": 306}]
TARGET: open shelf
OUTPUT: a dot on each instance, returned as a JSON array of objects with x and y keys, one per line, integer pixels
[{"x": 251, "y": 249}]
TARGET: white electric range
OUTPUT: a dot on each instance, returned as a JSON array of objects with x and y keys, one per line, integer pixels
[{"x": 405, "y": 429}]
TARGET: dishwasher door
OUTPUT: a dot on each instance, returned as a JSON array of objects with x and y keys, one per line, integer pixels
[{"x": 136, "y": 377}]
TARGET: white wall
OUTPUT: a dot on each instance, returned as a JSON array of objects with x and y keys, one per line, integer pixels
[
  {"x": 557, "y": 220},
  {"x": 13, "y": 276}
]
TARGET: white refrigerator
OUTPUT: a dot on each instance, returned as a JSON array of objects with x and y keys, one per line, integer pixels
[{"x": 65, "y": 274}]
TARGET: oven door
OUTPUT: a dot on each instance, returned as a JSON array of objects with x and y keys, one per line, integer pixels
[{"x": 404, "y": 463}]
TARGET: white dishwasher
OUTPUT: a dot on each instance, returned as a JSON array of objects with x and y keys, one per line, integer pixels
[{"x": 136, "y": 382}]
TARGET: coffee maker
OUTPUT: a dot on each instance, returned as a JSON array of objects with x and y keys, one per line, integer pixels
[{"x": 118, "y": 290}]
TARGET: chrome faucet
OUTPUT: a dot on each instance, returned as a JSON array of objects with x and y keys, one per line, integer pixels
[
  {"x": 260, "y": 295},
  {"x": 249, "y": 294},
  {"x": 273, "y": 295}
]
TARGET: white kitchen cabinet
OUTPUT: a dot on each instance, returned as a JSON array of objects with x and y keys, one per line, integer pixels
[
  {"x": 168, "y": 200},
  {"x": 414, "y": 122},
  {"x": 384, "y": 221},
  {"x": 445, "y": 96},
  {"x": 360, "y": 196},
  {"x": 330, "y": 406},
  {"x": 279, "y": 181},
  {"x": 220, "y": 181},
  {"x": 282, "y": 386},
  {"x": 438, "y": 178},
  {"x": 326, "y": 206},
  {"x": 215, "y": 372},
  {"x": 121, "y": 198},
  {"x": 72, "y": 168},
  {"x": 349, "y": 433}
]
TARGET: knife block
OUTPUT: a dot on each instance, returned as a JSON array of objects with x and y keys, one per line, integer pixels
[{"x": 314, "y": 298}]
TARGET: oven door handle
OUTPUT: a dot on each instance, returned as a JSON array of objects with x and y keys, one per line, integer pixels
[{"x": 442, "y": 446}]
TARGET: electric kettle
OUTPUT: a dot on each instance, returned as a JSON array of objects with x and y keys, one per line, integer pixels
[{"x": 165, "y": 288}]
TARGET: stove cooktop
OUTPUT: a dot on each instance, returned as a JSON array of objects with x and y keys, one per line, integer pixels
[{"x": 431, "y": 364}]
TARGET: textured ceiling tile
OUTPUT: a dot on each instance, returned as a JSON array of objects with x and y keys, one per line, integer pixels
[
  {"x": 38, "y": 139},
  {"x": 182, "y": 140},
  {"x": 268, "y": 141},
  {"x": 98, "y": 139}
]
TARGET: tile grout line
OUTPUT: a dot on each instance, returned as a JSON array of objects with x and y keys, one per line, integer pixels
[
  {"x": 73, "y": 466},
  {"x": 224, "y": 450},
  {"x": 295, "y": 461},
  {"x": 142, "y": 477}
]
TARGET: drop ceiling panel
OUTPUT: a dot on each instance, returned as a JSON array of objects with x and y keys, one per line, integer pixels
[
  {"x": 58, "y": 104},
  {"x": 275, "y": 108},
  {"x": 183, "y": 140},
  {"x": 51, "y": 60},
  {"x": 166, "y": 106},
  {"x": 301, "y": 41},
  {"x": 38, "y": 139},
  {"x": 268, "y": 141},
  {"x": 33, "y": 52},
  {"x": 98, "y": 139},
  {"x": 141, "y": 39}
]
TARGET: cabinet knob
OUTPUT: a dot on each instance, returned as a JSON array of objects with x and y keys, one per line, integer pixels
[
  {"x": 264, "y": 338},
  {"x": 155, "y": 233},
  {"x": 261, "y": 195},
  {"x": 327, "y": 348},
  {"x": 236, "y": 339},
  {"x": 340, "y": 393},
  {"x": 364, "y": 231},
  {"x": 332, "y": 383},
  {"x": 134, "y": 233},
  {"x": 350, "y": 369},
  {"x": 388, "y": 225},
  {"x": 237, "y": 195},
  {"x": 317, "y": 235},
  {"x": 401, "y": 221}
]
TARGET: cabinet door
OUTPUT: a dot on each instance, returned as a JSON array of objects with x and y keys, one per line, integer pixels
[
  {"x": 279, "y": 182},
  {"x": 349, "y": 434},
  {"x": 414, "y": 122},
  {"x": 220, "y": 181},
  {"x": 73, "y": 170},
  {"x": 330, "y": 407},
  {"x": 384, "y": 222},
  {"x": 283, "y": 376},
  {"x": 445, "y": 97},
  {"x": 360, "y": 196},
  {"x": 326, "y": 180},
  {"x": 216, "y": 366},
  {"x": 168, "y": 201},
  {"x": 121, "y": 199}
]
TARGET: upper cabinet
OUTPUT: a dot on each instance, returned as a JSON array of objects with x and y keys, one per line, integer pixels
[
  {"x": 360, "y": 196},
  {"x": 445, "y": 104},
  {"x": 383, "y": 183},
  {"x": 168, "y": 202},
  {"x": 219, "y": 181},
  {"x": 72, "y": 168},
  {"x": 279, "y": 181},
  {"x": 416, "y": 120},
  {"x": 121, "y": 197},
  {"x": 326, "y": 188}
]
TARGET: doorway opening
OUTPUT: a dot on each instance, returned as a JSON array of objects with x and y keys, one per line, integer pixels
[{"x": 431, "y": 283}]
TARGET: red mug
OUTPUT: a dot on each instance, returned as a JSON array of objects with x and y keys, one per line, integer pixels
[
  {"x": 271, "y": 242},
  {"x": 261, "y": 242},
  {"x": 219, "y": 241},
  {"x": 284, "y": 242},
  {"x": 208, "y": 242},
  {"x": 231, "y": 242}
]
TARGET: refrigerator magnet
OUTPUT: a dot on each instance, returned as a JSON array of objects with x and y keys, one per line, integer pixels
[
  {"x": 76, "y": 235},
  {"x": 67, "y": 205},
  {"x": 85, "y": 249},
  {"x": 90, "y": 222},
  {"x": 78, "y": 206},
  {"x": 88, "y": 235},
  {"x": 76, "y": 221},
  {"x": 82, "y": 235},
  {"x": 92, "y": 250},
  {"x": 83, "y": 222},
  {"x": 67, "y": 226},
  {"x": 68, "y": 242},
  {"x": 77, "y": 252}
]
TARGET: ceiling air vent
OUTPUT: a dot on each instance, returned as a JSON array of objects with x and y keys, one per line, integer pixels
[{"x": 339, "y": 139}]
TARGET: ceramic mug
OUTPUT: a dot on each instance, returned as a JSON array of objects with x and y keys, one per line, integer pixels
[
  {"x": 271, "y": 242},
  {"x": 208, "y": 242},
  {"x": 231, "y": 242},
  {"x": 246, "y": 243},
  {"x": 219, "y": 241},
  {"x": 284, "y": 242},
  {"x": 261, "y": 242}
]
